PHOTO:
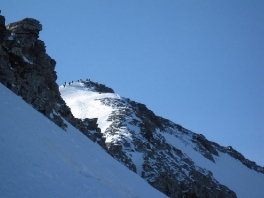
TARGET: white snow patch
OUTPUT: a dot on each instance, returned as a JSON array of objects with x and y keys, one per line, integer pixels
[
  {"x": 51, "y": 115},
  {"x": 10, "y": 38},
  {"x": 83, "y": 103},
  {"x": 138, "y": 160},
  {"x": 26, "y": 60}
]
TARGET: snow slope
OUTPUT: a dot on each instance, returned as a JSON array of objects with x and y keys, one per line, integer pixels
[
  {"x": 85, "y": 103},
  {"x": 38, "y": 159},
  {"x": 226, "y": 170}
]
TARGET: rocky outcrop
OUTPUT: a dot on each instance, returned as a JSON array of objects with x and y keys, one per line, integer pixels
[
  {"x": 204, "y": 146},
  {"x": 98, "y": 87},
  {"x": 165, "y": 167},
  {"x": 28, "y": 71},
  {"x": 136, "y": 130}
]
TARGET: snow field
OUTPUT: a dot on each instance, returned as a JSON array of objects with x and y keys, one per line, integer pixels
[{"x": 38, "y": 159}]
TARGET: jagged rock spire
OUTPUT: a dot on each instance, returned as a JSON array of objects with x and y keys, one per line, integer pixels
[
  {"x": 28, "y": 71},
  {"x": 25, "y": 26}
]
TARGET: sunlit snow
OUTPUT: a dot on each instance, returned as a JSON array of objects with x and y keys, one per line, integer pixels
[
  {"x": 26, "y": 60},
  {"x": 83, "y": 103}
]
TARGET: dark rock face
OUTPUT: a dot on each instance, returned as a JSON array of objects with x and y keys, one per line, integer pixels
[
  {"x": 165, "y": 167},
  {"x": 168, "y": 169},
  {"x": 98, "y": 87},
  {"x": 204, "y": 146},
  {"x": 28, "y": 71}
]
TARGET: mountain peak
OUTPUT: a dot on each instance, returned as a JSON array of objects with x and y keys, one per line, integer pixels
[
  {"x": 171, "y": 158},
  {"x": 174, "y": 160},
  {"x": 90, "y": 85}
]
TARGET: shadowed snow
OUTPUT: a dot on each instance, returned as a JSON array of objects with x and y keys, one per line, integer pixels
[{"x": 39, "y": 159}]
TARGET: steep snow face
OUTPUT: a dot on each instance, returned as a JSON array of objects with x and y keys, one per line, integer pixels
[
  {"x": 39, "y": 159},
  {"x": 164, "y": 153},
  {"x": 85, "y": 103}
]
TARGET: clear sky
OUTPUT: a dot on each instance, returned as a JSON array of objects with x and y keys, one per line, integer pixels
[{"x": 197, "y": 63}]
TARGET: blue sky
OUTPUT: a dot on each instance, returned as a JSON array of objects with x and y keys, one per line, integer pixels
[{"x": 197, "y": 63}]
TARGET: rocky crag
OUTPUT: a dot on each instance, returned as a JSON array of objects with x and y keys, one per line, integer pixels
[{"x": 28, "y": 71}]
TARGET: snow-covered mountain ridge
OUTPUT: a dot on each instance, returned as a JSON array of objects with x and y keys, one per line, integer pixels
[{"x": 171, "y": 158}]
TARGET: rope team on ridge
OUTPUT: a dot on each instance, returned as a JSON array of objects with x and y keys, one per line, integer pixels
[{"x": 71, "y": 82}]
